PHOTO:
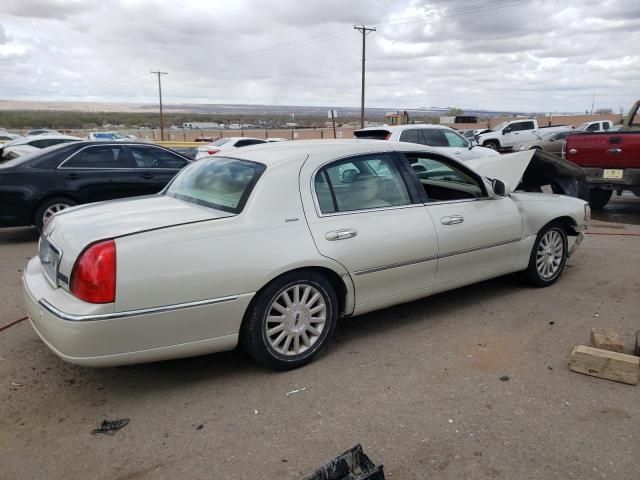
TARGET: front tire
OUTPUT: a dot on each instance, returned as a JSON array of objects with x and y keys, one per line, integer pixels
[
  {"x": 492, "y": 144},
  {"x": 548, "y": 256},
  {"x": 291, "y": 320}
]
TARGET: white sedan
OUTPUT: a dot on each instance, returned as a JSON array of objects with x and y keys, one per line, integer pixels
[
  {"x": 224, "y": 145},
  {"x": 269, "y": 247}
]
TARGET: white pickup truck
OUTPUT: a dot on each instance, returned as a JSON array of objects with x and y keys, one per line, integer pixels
[
  {"x": 599, "y": 126},
  {"x": 508, "y": 135}
]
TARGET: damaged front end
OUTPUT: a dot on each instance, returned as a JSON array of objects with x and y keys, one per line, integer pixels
[{"x": 535, "y": 171}]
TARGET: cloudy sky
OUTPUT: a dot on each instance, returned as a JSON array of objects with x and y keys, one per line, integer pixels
[{"x": 493, "y": 54}]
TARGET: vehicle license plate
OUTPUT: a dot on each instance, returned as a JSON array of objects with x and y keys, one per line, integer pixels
[
  {"x": 49, "y": 258},
  {"x": 612, "y": 173}
]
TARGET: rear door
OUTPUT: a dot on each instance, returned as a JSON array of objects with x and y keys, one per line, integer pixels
[
  {"x": 100, "y": 172},
  {"x": 155, "y": 166},
  {"x": 366, "y": 215}
]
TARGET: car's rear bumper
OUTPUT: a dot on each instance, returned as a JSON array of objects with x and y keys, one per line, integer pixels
[
  {"x": 595, "y": 177},
  {"x": 118, "y": 338}
]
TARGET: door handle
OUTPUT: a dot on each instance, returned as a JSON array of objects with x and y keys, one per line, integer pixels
[
  {"x": 614, "y": 151},
  {"x": 341, "y": 234},
  {"x": 72, "y": 176},
  {"x": 452, "y": 220},
  {"x": 147, "y": 176}
]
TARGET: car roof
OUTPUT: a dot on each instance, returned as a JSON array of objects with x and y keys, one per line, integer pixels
[
  {"x": 404, "y": 127},
  {"x": 281, "y": 153}
]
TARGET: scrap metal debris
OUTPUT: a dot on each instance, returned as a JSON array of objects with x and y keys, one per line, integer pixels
[
  {"x": 111, "y": 427},
  {"x": 296, "y": 391},
  {"x": 351, "y": 465}
]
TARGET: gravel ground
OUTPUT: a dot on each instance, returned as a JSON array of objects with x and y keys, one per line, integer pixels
[{"x": 419, "y": 385}]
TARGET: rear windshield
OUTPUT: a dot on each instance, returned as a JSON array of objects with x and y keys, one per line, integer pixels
[
  {"x": 372, "y": 134},
  {"x": 220, "y": 183},
  {"x": 220, "y": 142}
]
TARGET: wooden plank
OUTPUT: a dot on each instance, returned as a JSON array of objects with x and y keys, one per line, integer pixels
[
  {"x": 606, "y": 339},
  {"x": 606, "y": 364}
]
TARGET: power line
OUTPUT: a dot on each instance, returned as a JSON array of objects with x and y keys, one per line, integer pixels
[
  {"x": 159, "y": 73},
  {"x": 364, "y": 31}
]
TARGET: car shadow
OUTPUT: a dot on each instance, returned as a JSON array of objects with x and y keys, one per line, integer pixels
[{"x": 235, "y": 366}]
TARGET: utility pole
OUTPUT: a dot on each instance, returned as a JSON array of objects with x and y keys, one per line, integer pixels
[
  {"x": 593, "y": 99},
  {"x": 364, "y": 31},
  {"x": 158, "y": 73}
]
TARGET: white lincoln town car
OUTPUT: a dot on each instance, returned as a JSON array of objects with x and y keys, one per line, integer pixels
[{"x": 269, "y": 246}]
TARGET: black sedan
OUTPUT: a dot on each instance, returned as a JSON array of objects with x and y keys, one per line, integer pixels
[{"x": 34, "y": 187}]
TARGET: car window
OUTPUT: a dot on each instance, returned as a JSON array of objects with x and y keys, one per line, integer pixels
[
  {"x": 107, "y": 156},
  {"x": 373, "y": 134},
  {"x": 443, "y": 180},
  {"x": 410, "y": 136},
  {"x": 47, "y": 142},
  {"x": 246, "y": 143},
  {"x": 527, "y": 126},
  {"x": 153, "y": 157},
  {"x": 433, "y": 137},
  {"x": 363, "y": 183},
  {"x": 455, "y": 140},
  {"x": 560, "y": 136},
  {"x": 605, "y": 125},
  {"x": 216, "y": 182},
  {"x": 592, "y": 128}
]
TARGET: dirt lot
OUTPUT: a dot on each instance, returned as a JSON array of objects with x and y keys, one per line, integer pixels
[{"x": 418, "y": 385}]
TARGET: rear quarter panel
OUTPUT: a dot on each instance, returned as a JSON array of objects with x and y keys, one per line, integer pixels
[{"x": 217, "y": 258}]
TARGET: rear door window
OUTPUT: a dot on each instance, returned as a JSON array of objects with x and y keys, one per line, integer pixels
[
  {"x": 246, "y": 143},
  {"x": 362, "y": 183},
  {"x": 99, "y": 156},
  {"x": 433, "y": 137},
  {"x": 153, "y": 157},
  {"x": 410, "y": 136}
]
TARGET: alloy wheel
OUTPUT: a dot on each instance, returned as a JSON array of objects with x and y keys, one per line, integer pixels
[
  {"x": 550, "y": 254},
  {"x": 295, "y": 319}
]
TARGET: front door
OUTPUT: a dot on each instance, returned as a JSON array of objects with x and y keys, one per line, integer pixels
[
  {"x": 365, "y": 215},
  {"x": 478, "y": 235}
]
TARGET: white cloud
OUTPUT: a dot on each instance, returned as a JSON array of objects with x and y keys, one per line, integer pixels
[{"x": 493, "y": 54}]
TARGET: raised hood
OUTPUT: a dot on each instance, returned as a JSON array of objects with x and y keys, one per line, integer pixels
[
  {"x": 73, "y": 229},
  {"x": 528, "y": 169}
]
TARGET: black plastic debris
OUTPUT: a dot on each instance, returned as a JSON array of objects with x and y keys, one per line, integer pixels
[
  {"x": 111, "y": 427},
  {"x": 351, "y": 465}
]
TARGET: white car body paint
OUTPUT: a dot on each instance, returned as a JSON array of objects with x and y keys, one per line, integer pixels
[{"x": 186, "y": 274}]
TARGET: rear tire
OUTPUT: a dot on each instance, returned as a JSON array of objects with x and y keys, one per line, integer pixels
[
  {"x": 548, "y": 256},
  {"x": 599, "y": 197},
  {"x": 291, "y": 320},
  {"x": 50, "y": 207}
]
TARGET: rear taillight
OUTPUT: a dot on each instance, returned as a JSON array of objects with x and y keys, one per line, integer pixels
[
  {"x": 94, "y": 275},
  {"x": 213, "y": 152}
]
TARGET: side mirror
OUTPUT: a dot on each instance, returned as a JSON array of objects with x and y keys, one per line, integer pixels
[{"x": 499, "y": 187}]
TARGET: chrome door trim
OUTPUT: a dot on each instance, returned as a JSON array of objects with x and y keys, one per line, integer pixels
[
  {"x": 482, "y": 247},
  {"x": 132, "y": 313},
  {"x": 436, "y": 257},
  {"x": 396, "y": 265}
]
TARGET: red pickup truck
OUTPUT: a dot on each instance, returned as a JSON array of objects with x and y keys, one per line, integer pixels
[{"x": 611, "y": 160}]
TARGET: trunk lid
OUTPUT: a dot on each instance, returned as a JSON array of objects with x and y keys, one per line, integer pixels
[{"x": 72, "y": 230}]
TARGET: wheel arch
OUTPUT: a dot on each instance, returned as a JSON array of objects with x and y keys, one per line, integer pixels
[
  {"x": 568, "y": 224},
  {"x": 49, "y": 196},
  {"x": 341, "y": 283}
]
